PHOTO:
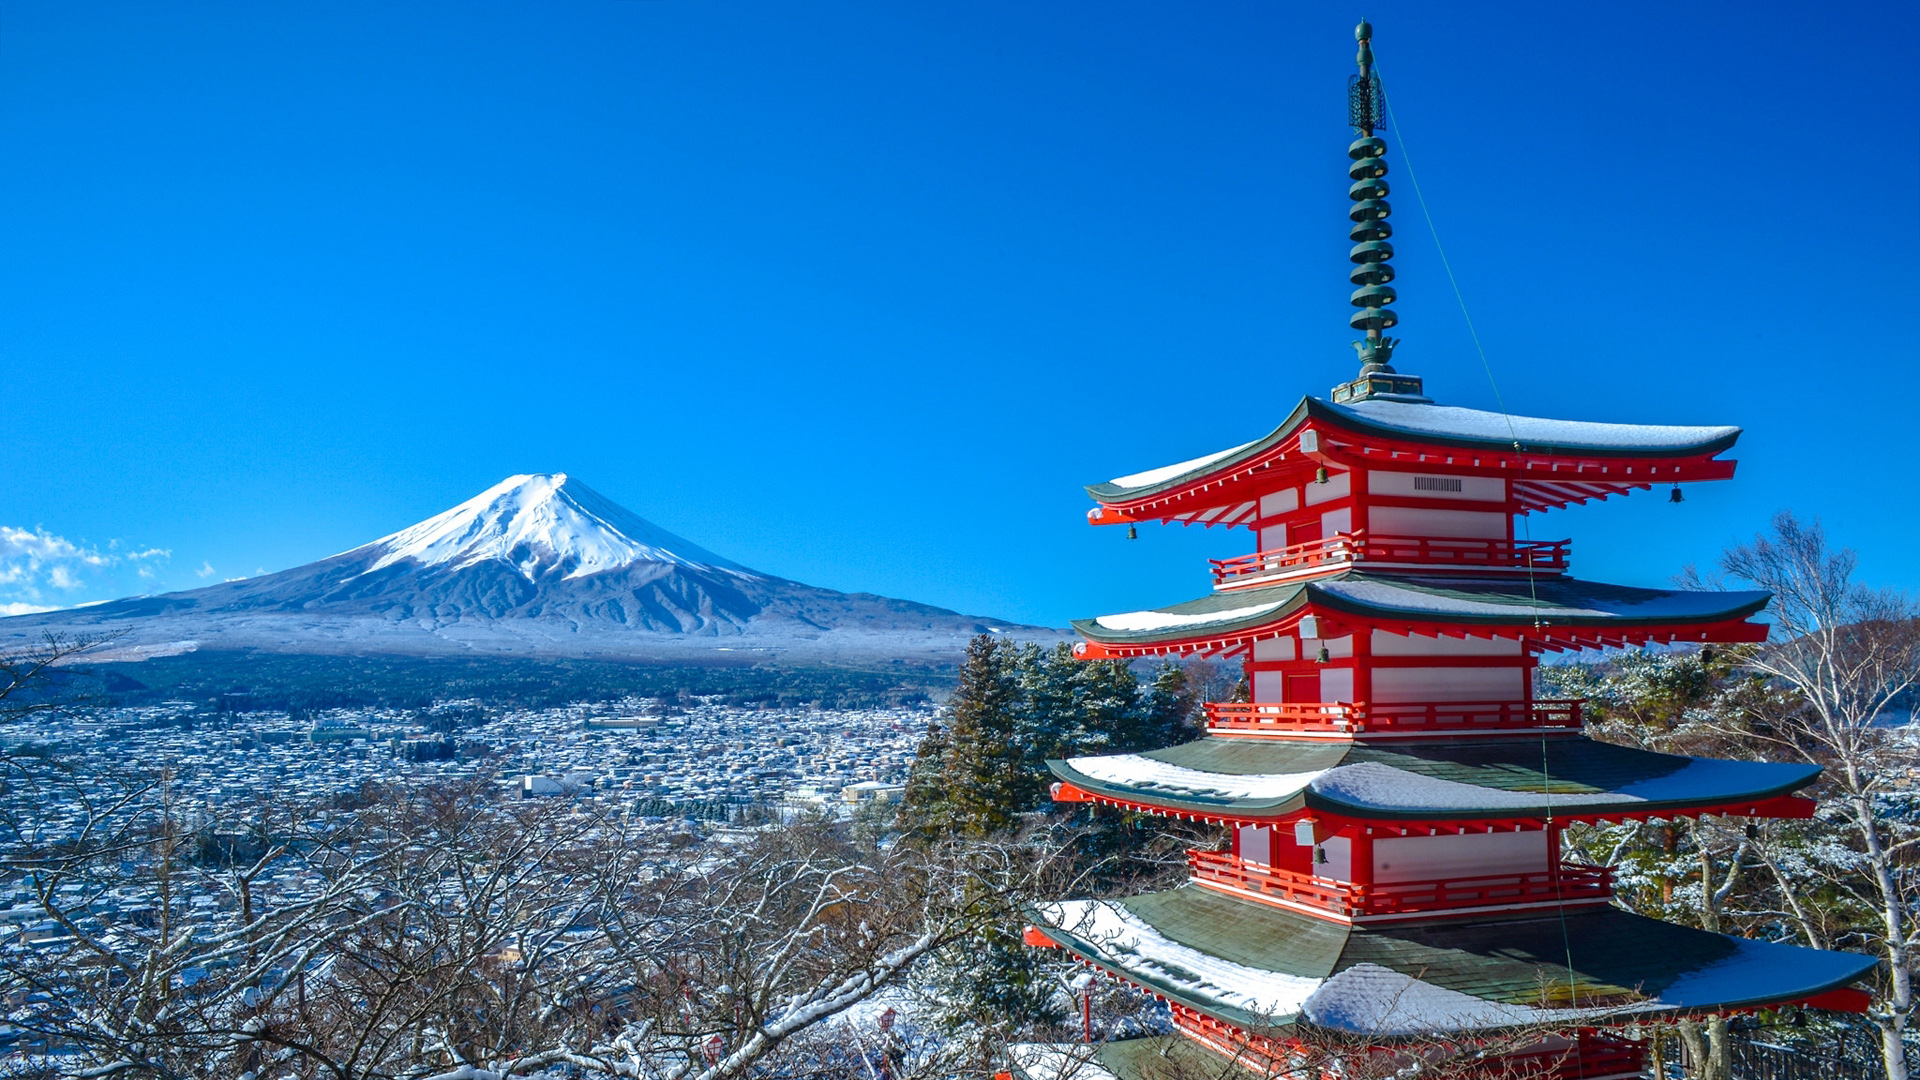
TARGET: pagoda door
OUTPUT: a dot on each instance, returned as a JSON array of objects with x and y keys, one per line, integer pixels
[{"x": 1303, "y": 688}]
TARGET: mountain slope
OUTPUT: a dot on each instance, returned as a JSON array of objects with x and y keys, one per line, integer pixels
[{"x": 535, "y": 564}]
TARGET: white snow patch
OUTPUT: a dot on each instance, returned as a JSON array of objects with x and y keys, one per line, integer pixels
[
  {"x": 1147, "y": 621},
  {"x": 536, "y": 522},
  {"x": 1374, "y": 1000},
  {"x": 1148, "y": 774},
  {"x": 1168, "y": 472},
  {"x": 1118, "y": 932}
]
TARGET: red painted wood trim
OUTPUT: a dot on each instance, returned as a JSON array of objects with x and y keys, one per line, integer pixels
[
  {"x": 1037, "y": 938},
  {"x": 1845, "y": 999}
]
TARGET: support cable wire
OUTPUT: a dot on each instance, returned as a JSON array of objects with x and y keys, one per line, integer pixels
[{"x": 1526, "y": 522}]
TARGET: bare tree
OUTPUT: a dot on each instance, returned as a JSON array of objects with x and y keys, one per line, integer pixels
[
  {"x": 1850, "y": 654},
  {"x": 36, "y": 679},
  {"x": 450, "y": 932}
]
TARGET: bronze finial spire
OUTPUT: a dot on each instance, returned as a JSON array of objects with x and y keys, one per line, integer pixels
[{"x": 1366, "y": 106}]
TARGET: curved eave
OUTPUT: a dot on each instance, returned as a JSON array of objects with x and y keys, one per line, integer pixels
[
  {"x": 1273, "y": 609},
  {"x": 1536, "y": 453},
  {"x": 1476, "y": 779},
  {"x": 1108, "y": 493},
  {"x": 1775, "y": 801}
]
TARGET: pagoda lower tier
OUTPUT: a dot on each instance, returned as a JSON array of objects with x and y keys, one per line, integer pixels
[
  {"x": 1254, "y": 982},
  {"x": 1257, "y": 967}
]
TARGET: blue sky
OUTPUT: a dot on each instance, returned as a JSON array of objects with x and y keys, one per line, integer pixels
[{"x": 862, "y": 294}]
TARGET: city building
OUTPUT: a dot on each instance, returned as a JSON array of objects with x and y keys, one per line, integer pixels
[{"x": 1394, "y": 791}]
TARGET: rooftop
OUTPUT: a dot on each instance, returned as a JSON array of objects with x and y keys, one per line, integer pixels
[
  {"x": 1440, "y": 426},
  {"x": 1257, "y": 966},
  {"x": 1507, "y": 602},
  {"x": 1566, "y": 777}
]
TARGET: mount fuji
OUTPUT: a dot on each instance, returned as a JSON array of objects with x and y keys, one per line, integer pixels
[{"x": 537, "y": 565}]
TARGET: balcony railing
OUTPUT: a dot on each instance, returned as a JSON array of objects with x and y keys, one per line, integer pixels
[
  {"x": 1546, "y": 556},
  {"x": 1407, "y": 717},
  {"x": 1402, "y": 897}
]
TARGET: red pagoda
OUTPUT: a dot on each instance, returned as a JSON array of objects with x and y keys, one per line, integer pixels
[{"x": 1394, "y": 790}]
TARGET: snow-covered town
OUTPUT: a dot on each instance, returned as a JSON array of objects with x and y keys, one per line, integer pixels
[{"x": 665, "y": 759}]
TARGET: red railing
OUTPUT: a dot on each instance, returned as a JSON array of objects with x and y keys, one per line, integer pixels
[
  {"x": 1259, "y": 718},
  {"x": 1580, "y": 1055},
  {"x": 1438, "y": 552},
  {"x": 1590, "y": 1057},
  {"x": 1402, "y": 897}
]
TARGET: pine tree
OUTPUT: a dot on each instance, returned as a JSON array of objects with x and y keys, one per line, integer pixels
[
  {"x": 984, "y": 780},
  {"x": 925, "y": 797},
  {"x": 1051, "y": 725},
  {"x": 1169, "y": 709}
]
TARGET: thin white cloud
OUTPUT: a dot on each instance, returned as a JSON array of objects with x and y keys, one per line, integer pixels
[
  {"x": 42, "y": 571},
  {"x": 23, "y": 609},
  {"x": 206, "y": 570}
]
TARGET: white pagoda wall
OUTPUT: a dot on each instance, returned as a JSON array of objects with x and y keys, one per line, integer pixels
[
  {"x": 1440, "y": 858},
  {"x": 1404, "y": 485},
  {"x": 1442, "y": 682},
  {"x": 1399, "y": 684},
  {"x": 1418, "y": 521}
]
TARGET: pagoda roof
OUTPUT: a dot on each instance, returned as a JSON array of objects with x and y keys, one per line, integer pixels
[
  {"x": 1436, "y": 426},
  {"x": 1256, "y": 966},
  {"x": 1395, "y": 599},
  {"x": 1470, "y": 779}
]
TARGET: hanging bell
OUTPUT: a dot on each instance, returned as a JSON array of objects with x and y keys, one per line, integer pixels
[
  {"x": 1324, "y": 656},
  {"x": 1320, "y": 855},
  {"x": 1320, "y": 475},
  {"x": 1753, "y": 831},
  {"x": 1706, "y": 654},
  {"x": 1675, "y": 495},
  {"x": 1133, "y": 533}
]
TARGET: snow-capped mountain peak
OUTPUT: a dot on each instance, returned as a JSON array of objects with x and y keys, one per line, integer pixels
[{"x": 539, "y": 523}]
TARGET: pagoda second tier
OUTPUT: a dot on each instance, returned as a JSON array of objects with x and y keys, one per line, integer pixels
[
  {"x": 1547, "y": 613},
  {"x": 1412, "y": 456},
  {"x": 1249, "y": 971},
  {"x": 1351, "y": 783}
]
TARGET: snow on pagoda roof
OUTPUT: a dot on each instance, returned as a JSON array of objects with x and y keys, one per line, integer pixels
[
  {"x": 1559, "y": 601},
  {"x": 1444, "y": 425},
  {"x": 1453, "y": 423},
  {"x": 1425, "y": 780},
  {"x": 1254, "y": 965}
]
